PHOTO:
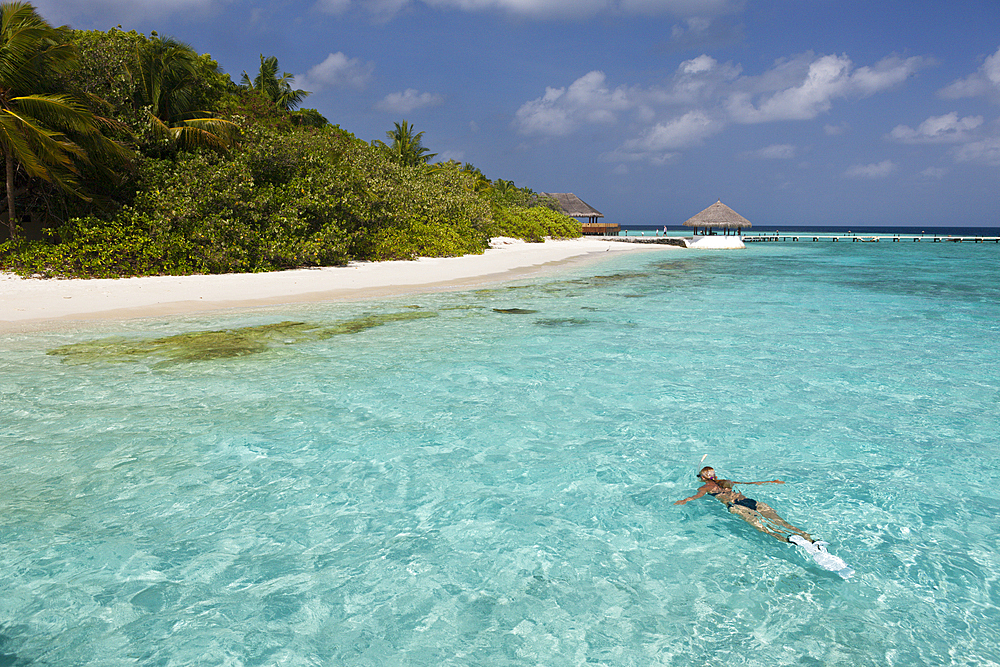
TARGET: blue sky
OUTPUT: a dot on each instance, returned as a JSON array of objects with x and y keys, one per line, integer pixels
[{"x": 793, "y": 112}]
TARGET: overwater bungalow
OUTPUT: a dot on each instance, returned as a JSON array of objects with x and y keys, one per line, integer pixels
[
  {"x": 575, "y": 207},
  {"x": 718, "y": 216}
]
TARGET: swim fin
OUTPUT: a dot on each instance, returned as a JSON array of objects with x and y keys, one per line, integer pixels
[{"x": 823, "y": 558}]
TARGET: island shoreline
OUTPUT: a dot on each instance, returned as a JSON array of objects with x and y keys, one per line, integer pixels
[{"x": 44, "y": 304}]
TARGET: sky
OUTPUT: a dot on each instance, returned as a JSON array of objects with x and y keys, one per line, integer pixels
[{"x": 792, "y": 112}]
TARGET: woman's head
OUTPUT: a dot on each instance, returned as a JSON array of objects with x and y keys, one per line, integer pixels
[{"x": 707, "y": 473}]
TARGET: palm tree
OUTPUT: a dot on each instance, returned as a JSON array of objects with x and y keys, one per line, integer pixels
[
  {"x": 278, "y": 90},
  {"x": 37, "y": 129},
  {"x": 166, "y": 76},
  {"x": 406, "y": 146}
]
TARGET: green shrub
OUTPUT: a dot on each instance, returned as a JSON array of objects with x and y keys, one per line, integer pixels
[
  {"x": 533, "y": 224},
  {"x": 402, "y": 212},
  {"x": 87, "y": 248}
]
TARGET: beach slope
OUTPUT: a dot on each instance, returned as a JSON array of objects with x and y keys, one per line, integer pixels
[{"x": 27, "y": 304}]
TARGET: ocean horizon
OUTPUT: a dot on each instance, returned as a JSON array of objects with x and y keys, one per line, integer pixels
[
  {"x": 957, "y": 230},
  {"x": 488, "y": 477}
]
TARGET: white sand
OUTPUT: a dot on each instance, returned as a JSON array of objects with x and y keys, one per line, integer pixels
[
  {"x": 29, "y": 304},
  {"x": 716, "y": 243}
]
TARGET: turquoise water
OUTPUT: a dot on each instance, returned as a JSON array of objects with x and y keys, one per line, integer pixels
[{"x": 473, "y": 487}]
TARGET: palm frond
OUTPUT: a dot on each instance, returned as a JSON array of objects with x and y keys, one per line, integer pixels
[
  {"x": 226, "y": 131},
  {"x": 14, "y": 143},
  {"x": 57, "y": 110},
  {"x": 189, "y": 137}
]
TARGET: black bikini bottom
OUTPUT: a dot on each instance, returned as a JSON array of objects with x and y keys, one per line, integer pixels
[{"x": 749, "y": 503}]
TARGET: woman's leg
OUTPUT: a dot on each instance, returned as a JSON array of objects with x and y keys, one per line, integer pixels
[
  {"x": 766, "y": 520},
  {"x": 770, "y": 515}
]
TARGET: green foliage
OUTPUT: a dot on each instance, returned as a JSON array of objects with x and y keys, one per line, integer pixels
[
  {"x": 88, "y": 248},
  {"x": 533, "y": 224},
  {"x": 406, "y": 148},
  {"x": 277, "y": 89},
  {"x": 307, "y": 118},
  {"x": 158, "y": 88},
  {"x": 101, "y": 73},
  {"x": 172, "y": 83},
  {"x": 290, "y": 190},
  {"x": 402, "y": 212},
  {"x": 228, "y": 220}
]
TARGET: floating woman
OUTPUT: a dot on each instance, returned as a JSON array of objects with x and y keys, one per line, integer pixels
[
  {"x": 759, "y": 515},
  {"x": 762, "y": 517}
]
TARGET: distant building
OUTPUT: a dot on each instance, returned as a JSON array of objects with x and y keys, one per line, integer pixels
[
  {"x": 718, "y": 216},
  {"x": 575, "y": 207}
]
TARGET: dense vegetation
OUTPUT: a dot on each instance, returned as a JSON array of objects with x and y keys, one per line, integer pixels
[{"x": 129, "y": 154}]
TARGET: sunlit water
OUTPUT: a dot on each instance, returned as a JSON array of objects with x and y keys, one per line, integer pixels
[{"x": 490, "y": 488}]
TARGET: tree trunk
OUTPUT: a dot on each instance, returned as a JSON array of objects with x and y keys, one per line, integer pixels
[{"x": 11, "y": 220}]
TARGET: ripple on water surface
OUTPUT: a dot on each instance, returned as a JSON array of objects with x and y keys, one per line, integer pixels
[{"x": 489, "y": 478}]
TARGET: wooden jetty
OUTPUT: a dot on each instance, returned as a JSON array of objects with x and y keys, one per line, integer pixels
[
  {"x": 683, "y": 241},
  {"x": 794, "y": 237},
  {"x": 600, "y": 228}
]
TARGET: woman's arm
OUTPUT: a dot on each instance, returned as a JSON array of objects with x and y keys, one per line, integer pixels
[
  {"x": 770, "y": 481},
  {"x": 702, "y": 491}
]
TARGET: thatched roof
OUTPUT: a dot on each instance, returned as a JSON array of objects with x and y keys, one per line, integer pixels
[
  {"x": 572, "y": 205},
  {"x": 718, "y": 215}
]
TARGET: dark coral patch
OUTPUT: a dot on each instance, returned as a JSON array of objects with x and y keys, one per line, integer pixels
[{"x": 221, "y": 344}]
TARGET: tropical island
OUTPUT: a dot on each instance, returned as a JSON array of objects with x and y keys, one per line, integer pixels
[{"x": 132, "y": 155}]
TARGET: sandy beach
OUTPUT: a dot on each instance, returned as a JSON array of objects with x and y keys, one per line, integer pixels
[{"x": 31, "y": 304}]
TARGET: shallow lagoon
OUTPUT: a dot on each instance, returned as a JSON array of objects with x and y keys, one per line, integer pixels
[{"x": 487, "y": 478}]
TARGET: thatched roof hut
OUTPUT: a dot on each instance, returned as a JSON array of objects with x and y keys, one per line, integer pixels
[
  {"x": 573, "y": 206},
  {"x": 718, "y": 216}
]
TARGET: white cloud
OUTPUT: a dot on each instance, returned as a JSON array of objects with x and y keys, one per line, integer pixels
[
  {"x": 887, "y": 73},
  {"x": 984, "y": 151},
  {"x": 547, "y": 9},
  {"x": 825, "y": 79},
  {"x": 704, "y": 96},
  {"x": 589, "y": 100},
  {"x": 702, "y": 63},
  {"x": 948, "y": 128},
  {"x": 333, "y": 6},
  {"x": 984, "y": 82},
  {"x": 698, "y": 81},
  {"x": 562, "y": 110},
  {"x": 873, "y": 171},
  {"x": 971, "y": 141},
  {"x": 337, "y": 71},
  {"x": 529, "y": 8},
  {"x": 408, "y": 100},
  {"x": 686, "y": 8},
  {"x": 545, "y": 115},
  {"x": 680, "y": 132},
  {"x": 789, "y": 93},
  {"x": 934, "y": 172},
  {"x": 835, "y": 130},
  {"x": 658, "y": 144},
  {"x": 775, "y": 152}
]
